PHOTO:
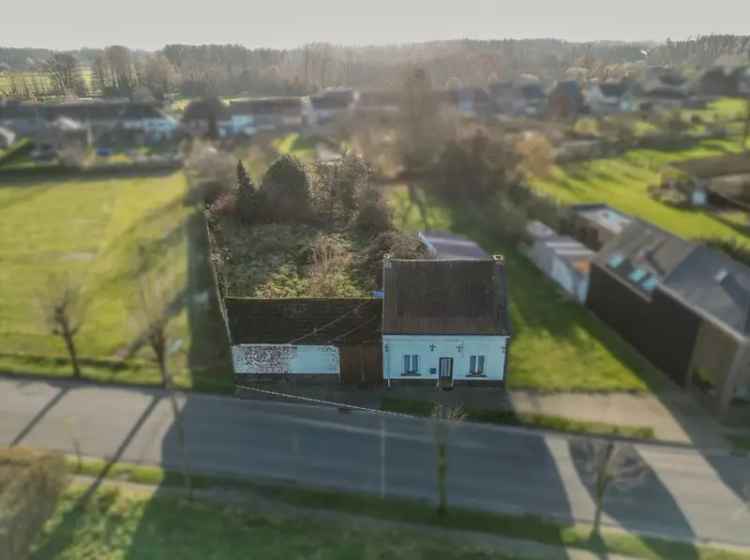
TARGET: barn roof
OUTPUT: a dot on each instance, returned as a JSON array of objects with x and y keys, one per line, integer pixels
[
  {"x": 715, "y": 286},
  {"x": 604, "y": 216},
  {"x": 304, "y": 321},
  {"x": 643, "y": 255},
  {"x": 444, "y": 297}
]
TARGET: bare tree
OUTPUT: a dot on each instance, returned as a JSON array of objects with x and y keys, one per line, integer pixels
[
  {"x": 153, "y": 315},
  {"x": 63, "y": 70},
  {"x": 444, "y": 419},
  {"x": 63, "y": 312},
  {"x": 603, "y": 464}
]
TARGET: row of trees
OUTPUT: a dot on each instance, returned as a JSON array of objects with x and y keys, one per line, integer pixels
[{"x": 233, "y": 69}]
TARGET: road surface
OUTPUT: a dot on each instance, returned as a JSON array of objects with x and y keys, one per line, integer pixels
[{"x": 687, "y": 494}]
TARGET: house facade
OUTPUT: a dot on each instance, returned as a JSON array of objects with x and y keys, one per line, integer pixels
[{"x": 445, "y": 322}]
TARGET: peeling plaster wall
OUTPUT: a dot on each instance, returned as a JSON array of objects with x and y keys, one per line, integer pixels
[{"x": 285, "y": 359}]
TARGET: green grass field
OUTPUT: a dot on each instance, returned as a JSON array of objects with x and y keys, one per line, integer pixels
[
  {"x": 105, "y": 233},
  {"x": 119, "y": 525},
  {"x": 557, "y": 345},
  {"x": 622, "y": 182}
]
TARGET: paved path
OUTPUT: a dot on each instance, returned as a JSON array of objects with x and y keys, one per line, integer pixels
[{"x": 689, "y": 495}]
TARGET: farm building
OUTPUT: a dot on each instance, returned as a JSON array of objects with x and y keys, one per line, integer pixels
[
  {"x": 715, "y": 290},
  {"x": 335, "y": 340},
  {"x": 562, "y": 259},
  {"x": 445, "y": 322},
  {"x": 594, "y": 225},
  {"x": 721, "y": 178},
  {"x": 443, "y": 245},
  {"x": 685, "y": 307},
  {"x": 623, "y": 292}
]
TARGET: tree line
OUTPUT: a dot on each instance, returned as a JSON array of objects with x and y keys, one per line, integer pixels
[{"x": 231, "y": 70}]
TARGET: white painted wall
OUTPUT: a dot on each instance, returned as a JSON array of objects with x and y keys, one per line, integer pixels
[
  {"x": 430, "y": 348},
  {"x": 285, "y": 359}
]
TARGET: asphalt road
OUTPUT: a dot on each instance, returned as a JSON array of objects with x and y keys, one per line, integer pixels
[{"x": 687, "y": 494}]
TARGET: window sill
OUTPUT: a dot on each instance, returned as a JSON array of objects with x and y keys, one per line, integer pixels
[
  {"x": 411, "y": 375},
  {"x": 477, "y": 375}
]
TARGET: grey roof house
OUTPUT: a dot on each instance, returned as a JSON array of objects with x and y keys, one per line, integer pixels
[{"x": 681, "y": 305}]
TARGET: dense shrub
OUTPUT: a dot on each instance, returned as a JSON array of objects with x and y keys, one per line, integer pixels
[
  {"x": 286, "y": 192},
  {"x": 30, "y": 484},
  {"x": 369, "y": 265},
  {"x": 373, "y": 216},
  {"x": 536, "y": 153},
  {"x": 250, "y": 201},
  {"x": 336, "y": 188}
]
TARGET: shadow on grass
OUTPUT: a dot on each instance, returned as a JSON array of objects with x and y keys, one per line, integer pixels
[{"x": 63, "y": 534}]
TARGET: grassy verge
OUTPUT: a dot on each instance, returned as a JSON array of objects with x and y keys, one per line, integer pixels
[
  {"x": 114, "y": 524},
  {"x": 512, "y": 418},
  {"x": 525, "y": 527}
]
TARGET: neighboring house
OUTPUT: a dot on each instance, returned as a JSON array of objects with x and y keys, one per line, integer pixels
[
  {"x": 623, "y": 292},
  {"x": 332, "y": 104},
  {"x": 725, "y": 177},
  {"x": 63, "y": 133},
  {"x": 200, "y": 115},
  {"x": 7, "y": 137},
  {"x": 275, "y": 113},
  {"x": 319, "y": 340},
  {"x": 562, "y": 259},
  {"x": 716, "y": 291},
  {"x": 606, "y": 97},
  {"x": 445, "y": 322},
  {"x": 566, "y": 100},
  {"x": 449, "y": 246},
  {"x": 594, "y": 225}
]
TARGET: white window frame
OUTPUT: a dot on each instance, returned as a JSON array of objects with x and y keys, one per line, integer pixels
[
  {"x": 476, "y": 364},
  {"x": 410, "y": 364}
]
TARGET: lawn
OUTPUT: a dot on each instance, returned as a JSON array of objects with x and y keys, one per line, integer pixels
[
  {"x": 116, "y": 524},
  {"x": 557, "y": 345},
  {"x": 105, "y": 233},
  {"x": 62, "y": 532},
  {"x": 622, "y": 182}
]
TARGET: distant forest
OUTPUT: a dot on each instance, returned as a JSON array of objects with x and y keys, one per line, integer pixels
[{"x": 233, "y": 70}]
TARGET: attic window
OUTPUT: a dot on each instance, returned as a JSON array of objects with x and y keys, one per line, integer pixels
[
  {"x": 721, "y": 275},
  {"x": 615, "y": 260},
  {"x": 637, "y": 275}
]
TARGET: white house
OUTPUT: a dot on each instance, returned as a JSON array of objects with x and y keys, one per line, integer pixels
[{"x": 445, "y": 322}]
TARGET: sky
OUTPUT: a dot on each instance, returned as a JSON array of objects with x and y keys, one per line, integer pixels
[{"x": 150, "y": 24}]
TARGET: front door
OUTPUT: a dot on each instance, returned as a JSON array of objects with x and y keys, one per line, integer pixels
[{"x": 445, "y": 373}]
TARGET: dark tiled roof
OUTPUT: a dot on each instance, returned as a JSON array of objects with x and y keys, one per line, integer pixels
[
  {"x": 643, "y": 255},
  {"x": 445, "y": 297},
  {"x": 714, "y": 285},
  {"x": 304, "y": 320}
]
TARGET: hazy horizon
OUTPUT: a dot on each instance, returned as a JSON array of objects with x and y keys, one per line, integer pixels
[{"x": 74, "y": 24}]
